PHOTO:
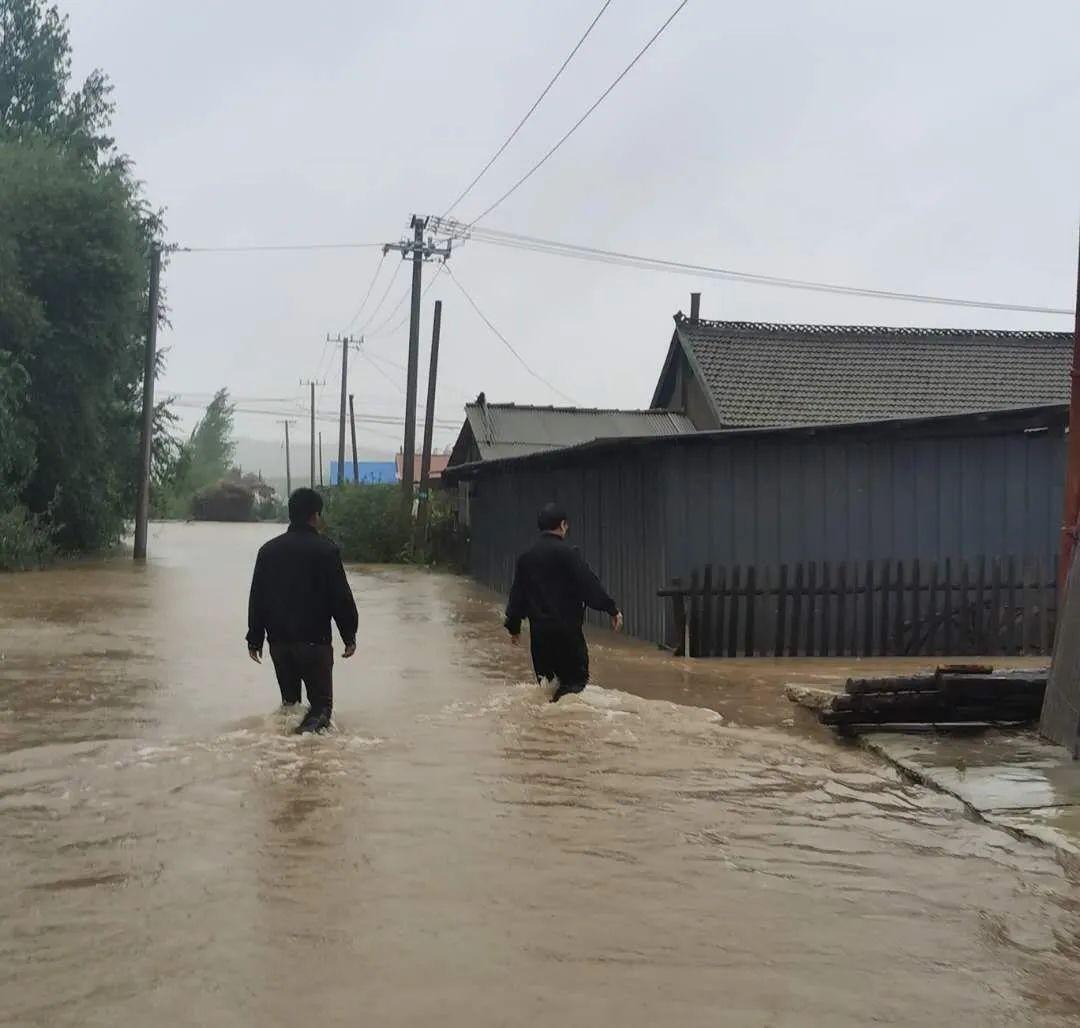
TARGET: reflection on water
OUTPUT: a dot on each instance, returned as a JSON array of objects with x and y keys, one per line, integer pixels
[{"x": 459, "y": 850}]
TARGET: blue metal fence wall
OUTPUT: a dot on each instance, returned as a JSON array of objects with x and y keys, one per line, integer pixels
[{"x": 644, "y": 513}]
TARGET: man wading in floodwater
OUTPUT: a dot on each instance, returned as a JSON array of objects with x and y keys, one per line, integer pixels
[
  {"x": 552, "y": 587},
  {"x": 298, "y": 586}
]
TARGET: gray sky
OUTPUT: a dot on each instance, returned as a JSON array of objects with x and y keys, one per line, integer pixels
[{"x": 926, "y": 147}]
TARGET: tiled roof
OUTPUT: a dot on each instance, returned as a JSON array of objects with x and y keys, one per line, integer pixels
[
  {"x": 509, "y": 430},
  {"x": 770, "y": 374}
]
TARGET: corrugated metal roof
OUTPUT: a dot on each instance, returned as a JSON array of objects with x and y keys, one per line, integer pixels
[
  {"x": 508, "y": 430},
  {"x": 771, "y": 374}
]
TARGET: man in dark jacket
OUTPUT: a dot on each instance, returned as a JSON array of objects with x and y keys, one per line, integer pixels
[
  {"x": 552, "y": 587},
  {"x": 299, "y": 585}
]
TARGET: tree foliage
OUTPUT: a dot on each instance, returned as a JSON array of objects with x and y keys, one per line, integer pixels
[{"x": 75, "y": 232}]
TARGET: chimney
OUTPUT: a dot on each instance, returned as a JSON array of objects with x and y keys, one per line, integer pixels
[{"x": 695, "y": 307}]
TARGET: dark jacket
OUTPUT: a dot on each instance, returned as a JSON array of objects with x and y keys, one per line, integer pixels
[
  {"x": 552, "y": 587},
  {"x": 298, "y": 586}
]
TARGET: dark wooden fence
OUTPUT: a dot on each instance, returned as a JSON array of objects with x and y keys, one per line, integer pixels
[{"x": 877, "y": 608}]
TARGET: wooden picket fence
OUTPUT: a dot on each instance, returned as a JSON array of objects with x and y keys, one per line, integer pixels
[{"x": 986, "y": 607}]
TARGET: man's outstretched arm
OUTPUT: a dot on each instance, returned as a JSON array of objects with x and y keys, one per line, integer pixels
[
  {"x": 256, "y": 633},
  {"x": 343, "y": 605},
  {"x": 593, "y": 593}
]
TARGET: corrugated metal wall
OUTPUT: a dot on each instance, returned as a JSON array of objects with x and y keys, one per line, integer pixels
[{"x": 644, "y": 514}]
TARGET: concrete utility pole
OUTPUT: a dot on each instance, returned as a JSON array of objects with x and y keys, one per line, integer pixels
[
  {"x": 424, "y": 511},
  {"x": 312, "y": 384},
  {"x": 288, "y": 462},
  {"x": 1070, "y": 524},
  {"x": 146, "y": 444},
  {"x": 345, "y": 342},
  {"x": 352, "y": 425},
  {"x": 320, "y": 461},
  {"x": 419, "y": 251}
]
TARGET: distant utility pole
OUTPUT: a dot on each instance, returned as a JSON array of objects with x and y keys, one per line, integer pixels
[
  {"x": 312, "y": 384},
  {"x": 419, "y": 251},
  {"x": 352, "y": 425},
  {"x": 320, "y": 460},
  {"x": 288, "y": 463},
  {"x": 146, "y": 444},
  {"x": 345, "y": 342},
  {"x": 424, "y": 512}
]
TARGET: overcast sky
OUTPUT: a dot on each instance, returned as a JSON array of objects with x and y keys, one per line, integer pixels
[{"x": 928, "y": 147}]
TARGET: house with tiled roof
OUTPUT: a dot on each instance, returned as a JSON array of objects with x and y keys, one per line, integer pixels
[{"x": 739, "y": 374}]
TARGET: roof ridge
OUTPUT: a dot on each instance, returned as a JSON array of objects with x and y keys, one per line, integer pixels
[{"x": 776, "y": 329}]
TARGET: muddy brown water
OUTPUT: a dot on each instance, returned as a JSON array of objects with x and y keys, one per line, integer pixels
[{"x": 459, "y": 851}]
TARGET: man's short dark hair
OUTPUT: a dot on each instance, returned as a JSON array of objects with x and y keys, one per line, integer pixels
[
  {"x": 551, "y": 516},
  {"x": 304, "y": 504}
]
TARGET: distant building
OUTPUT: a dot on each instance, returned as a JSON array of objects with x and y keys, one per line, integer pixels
[
  {"x": 739, "y": 374},
  {"x": 493, "y": 431},
  {"x": 372, "y": 472},
  {"x": 438, "y": 466}
]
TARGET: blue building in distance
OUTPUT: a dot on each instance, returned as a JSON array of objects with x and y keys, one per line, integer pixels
[{"x": 372, "y": 472}]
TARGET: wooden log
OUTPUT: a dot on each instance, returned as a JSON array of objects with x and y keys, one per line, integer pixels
[
  {"x": 915, "y": 642},
  {"x": 811, "y": 609},
  {"x": 947, "y": 610},
  {"x": 980, "y": 622},
  {"x": 898, "y": 633},
  {"x": 993, "y": 639},
  {"x": 679, "y": 622},
  {"x": 930, "y": 645},
  {"x": 1009, "y": 641},
  {"x": 966, "y": 641}
]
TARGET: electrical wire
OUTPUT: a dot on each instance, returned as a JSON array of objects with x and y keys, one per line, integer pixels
[
  {"x": 555, "y": 248},
  {"x": 577, "y": 124},
  {"x": 280, "y": 248},
  {"x": 390, "y": 331},
  {"x": 396, "y": 385},
  {"x": 363, "y": 303},
  {"x": 506, "y": 342},
  {"x": 382, "y": 299},
  {"x": 528, "y": 114}
]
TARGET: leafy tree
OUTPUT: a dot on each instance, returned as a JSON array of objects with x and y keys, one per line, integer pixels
[{"x": 75, "y": 232}]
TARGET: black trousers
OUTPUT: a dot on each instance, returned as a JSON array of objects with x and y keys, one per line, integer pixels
[
  {"x": 560, "y": 653},
  {"x": 309, "y": 663}
]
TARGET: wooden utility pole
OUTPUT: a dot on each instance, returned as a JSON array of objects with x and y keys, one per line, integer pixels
[
  {"x": 312, "y": 383},
  {"x": 424, "y": 512},
  {"x": 352, "y": 426},
  {"x": 345, "y": 342},
  {"x": 1071, "y": 521},
  {"x": 146, "y": 443},
  {"x": 288, "y": 461},
  {"x": 419, "y": 251}
]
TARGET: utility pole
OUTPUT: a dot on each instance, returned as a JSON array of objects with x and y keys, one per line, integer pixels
[
  {"x": 419, "y": 251},
  {"x": 424, "y": 511},
  {"x": 1070, "y": 524},
  {"x": 312, "y": 383},
  {"x": 346, "y": 342},
  {"x": 352, "y": 425},
  {"x": 288, "y": 463},
  {"x": 320, "y": 460},
  {"x": 146, "y": 445}
]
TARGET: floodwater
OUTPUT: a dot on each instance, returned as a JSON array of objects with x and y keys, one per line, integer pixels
[{"x": 460, "y": 852}]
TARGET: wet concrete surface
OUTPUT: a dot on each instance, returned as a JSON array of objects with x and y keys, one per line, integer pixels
[{"x": 460, "y": 851}]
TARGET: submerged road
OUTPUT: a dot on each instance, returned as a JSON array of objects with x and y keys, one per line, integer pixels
[{"x": 460, "y": 852}]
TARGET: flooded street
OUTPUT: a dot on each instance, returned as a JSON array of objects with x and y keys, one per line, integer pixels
[{"x": 459, "y": 851}]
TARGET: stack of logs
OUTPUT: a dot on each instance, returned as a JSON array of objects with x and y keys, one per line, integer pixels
[{"x": 954, "y": 695}]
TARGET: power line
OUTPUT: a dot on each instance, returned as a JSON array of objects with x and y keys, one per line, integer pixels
[
  {"x": 321, "y": 415},
  {"x": 390, "y": 331},
  {"x": 279, "y": 248},
  {"x": 382, "y": 299},
  {"x": 396, "y": 385},
  {"x": 506, "y": 342},
  {"x": 577, "y": 124},
  {"x": 553, "y": 247},
  {"x": 528, "y": 114},
  {"x": 363, "y": 303}
]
